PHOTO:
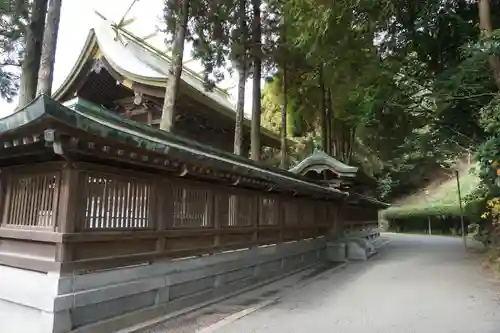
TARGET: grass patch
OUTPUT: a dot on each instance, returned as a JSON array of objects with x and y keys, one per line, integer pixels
[{"x": 492, "y": 261}]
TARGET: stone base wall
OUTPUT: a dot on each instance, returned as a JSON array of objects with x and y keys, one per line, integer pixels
[
  {"x": 27, "y": 301},
  {"x": 114, "y": 299}
]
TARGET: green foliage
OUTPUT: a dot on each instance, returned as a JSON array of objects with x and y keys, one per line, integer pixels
[
  {"x": 14, "y": 15},
  {"x": 420, "y": 225},
  {"x": 298, "y": 149},
  {"x": 487, "y": 154},
  {"x": 405, "y": 87},
  {"x": 435, "y": 43},
  {"x": 411, "y": 99},
  {"x": 403, "y": 213},
  {"x": 474, "y": 209}
]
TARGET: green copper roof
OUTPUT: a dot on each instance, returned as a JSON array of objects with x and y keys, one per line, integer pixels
[
  {"x": 94, "y": 120},
  {"x": 320, "y": 161},
  {"x": 363, "y": 199}
]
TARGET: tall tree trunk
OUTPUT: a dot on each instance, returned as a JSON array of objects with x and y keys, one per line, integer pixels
[
  {"x": 322, "y": 113},
  {"x": 334, "y": 149},
  {"x": 328, "y": 116},
  {"x": 352, "y": 142},
  {"x": 46, "y": 72},
  {"x": 242, "y": 66},
  {"x": 33, "y": 52},
  {"x": 240, "y": 112},
  {"x": 284, "y": 147},
  {"x": 487, "y": 31},
  {"x": 174, "y": 73},
  {"x": 345, "y": 140},
  {"x": 284, "y": 125},
  {"x": 257, "y": 73}
]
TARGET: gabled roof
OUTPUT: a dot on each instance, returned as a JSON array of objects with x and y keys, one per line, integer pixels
[
  {"x": 320, "y": 161},
  {"x": 137, "y": 61},
  {"x": 87, "y": 120}
]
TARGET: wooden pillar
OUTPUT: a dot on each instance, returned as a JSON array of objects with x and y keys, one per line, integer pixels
[
  {"x": 217, "y": 218},
  {"x": 281, "y": 217},
  {"x": 163, "y": 212},
  {"x": 319, "y": 216},
  {"x": 212, "y": 221},
  {"x": 256, "y": 217},
  {"x": 70, "y": 208},
  {"x": 300, "y": 222},
  {"x": 4, "y": 199}
]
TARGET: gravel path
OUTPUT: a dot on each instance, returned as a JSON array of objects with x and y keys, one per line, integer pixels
[{"x": 416, "y": 284}]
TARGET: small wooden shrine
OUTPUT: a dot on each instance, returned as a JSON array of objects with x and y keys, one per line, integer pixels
[{"x": 360, "y": 210}]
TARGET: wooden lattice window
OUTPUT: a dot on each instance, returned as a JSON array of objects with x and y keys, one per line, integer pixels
[
  {"x": 269, "y": 211},
  {"x": 32, "y": 200},
  {"x": 191, "y": 207},
  {"x": 234, "y": 210},
  {"x": 331, "y": 215},
  {"x": 306, "y": 212},
  {"x": 320, "y": 213},
  {"x": 291, "y": 212},
  {"x": 114, "y": 202},
  {"x": 352, "y": 214}
]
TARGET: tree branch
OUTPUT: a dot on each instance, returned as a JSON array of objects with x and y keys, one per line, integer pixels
[
  {"x": 452, "y": 98},
  {"x": 10, "y": 63}
]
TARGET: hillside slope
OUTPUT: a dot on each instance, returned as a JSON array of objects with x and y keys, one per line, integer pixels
[{"x": 439, "y": 197}]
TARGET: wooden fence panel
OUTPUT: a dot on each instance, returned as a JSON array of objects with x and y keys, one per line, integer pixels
[
  {"x": 191, "y": 206},
  {"x": 234, "y": 208},
  {"x": 127, "y": 217},
  {"x": 269, "y": 208},
  {"x": 31, "y": 200},
  {"x": 114, "y": 202}
]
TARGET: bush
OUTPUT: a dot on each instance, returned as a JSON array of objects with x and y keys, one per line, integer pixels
[
  {"x": 474, "y": 209},
  {"x": 421, "y": 211},
  {"x": 445, "y": 219}
]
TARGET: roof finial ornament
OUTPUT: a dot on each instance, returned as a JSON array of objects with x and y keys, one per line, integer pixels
[{"x": 138, "y": 98}]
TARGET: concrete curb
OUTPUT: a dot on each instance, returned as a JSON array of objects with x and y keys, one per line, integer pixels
[
  {"x": 383, "y": 244},
  {"x": 235, "y": 316},
  {"x": 243, "y": 313}
]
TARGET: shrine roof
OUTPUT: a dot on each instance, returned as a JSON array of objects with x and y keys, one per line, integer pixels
[
  {"x": 83, "y": 121},
  {"x": 360, "y": 199},
  {"x": 320, "y": 161},
  {"x": 137, "y": 62}
]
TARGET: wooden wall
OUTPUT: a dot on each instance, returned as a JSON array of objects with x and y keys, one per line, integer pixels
[
  {"x": 91, "y": 217},
  {"x": 358, "y": 217}
]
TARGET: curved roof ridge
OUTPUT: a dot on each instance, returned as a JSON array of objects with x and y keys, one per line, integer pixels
[
  {"x": 319, "y": 157},
  {"x": 151, "y": 48},
  {"x": 88, "y": 48},
  {"x": 102, "y": 35},
  {"x": 159, "y": 65},
  {"x": 142, "y": 62}
]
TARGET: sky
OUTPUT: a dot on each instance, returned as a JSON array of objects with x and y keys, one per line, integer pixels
[{"x": 78, "y": 17}]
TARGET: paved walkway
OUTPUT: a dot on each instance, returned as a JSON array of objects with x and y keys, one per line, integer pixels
[{"x": 415, "y": 284}]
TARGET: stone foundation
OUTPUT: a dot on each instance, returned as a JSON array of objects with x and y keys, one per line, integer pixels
[
  {"x": 114, "y": 299},
  {"x": 337, "y": 251}
]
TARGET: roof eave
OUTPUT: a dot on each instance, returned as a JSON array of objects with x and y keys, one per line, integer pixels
[
  {"x": 89, "y": 48},
  {"x": 142, "y": 133}
]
